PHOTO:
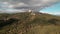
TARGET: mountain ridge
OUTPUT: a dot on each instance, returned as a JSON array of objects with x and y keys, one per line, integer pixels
[{"x": 27, "y": 23}]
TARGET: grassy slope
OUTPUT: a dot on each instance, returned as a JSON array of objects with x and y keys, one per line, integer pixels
[{"x": 30, "y": 24}]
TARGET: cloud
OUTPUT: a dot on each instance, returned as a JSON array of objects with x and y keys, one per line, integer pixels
[
  {"x": 35, "y": 4},
  {"x": 13, "y": 11},
  {"x": 5, "y": 2},
  {"x": 29, "y": 4},
  {"x": 10, "y": 6},
  {"x": 53, "y": 13},
  {"x": 22, "y": 4}
]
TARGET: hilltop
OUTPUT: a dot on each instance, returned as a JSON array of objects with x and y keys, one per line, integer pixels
[{"x": 29, "y": 23}]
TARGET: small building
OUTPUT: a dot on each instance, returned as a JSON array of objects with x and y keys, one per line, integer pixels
[
  {"x": 32, "y": 13},
  {"x": 30, "y": 10}
]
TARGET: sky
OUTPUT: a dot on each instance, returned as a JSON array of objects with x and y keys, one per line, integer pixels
[
  {"x": 45, "y": 6},
  {"x": 54, "y": 9}
]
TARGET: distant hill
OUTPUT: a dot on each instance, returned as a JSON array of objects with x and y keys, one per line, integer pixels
[{"x": 29, "y": 23}]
